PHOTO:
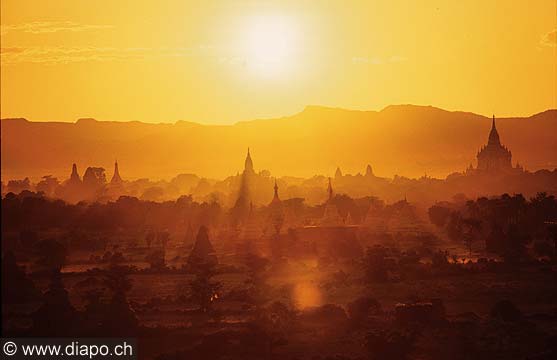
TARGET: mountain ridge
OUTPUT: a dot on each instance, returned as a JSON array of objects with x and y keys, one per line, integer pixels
[
  {"x": 307, "y": 109},
  {"x": 407, "y": 140}
]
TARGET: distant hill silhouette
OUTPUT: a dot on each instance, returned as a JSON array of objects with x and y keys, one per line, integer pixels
[{"x": 400, "y": 139}]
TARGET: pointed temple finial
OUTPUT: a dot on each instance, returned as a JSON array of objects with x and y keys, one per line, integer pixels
[
  {"x": 276, "y": 198},
  {"x": 74, "y": 175},
  {"x": 248, "y": 164},
  {"x": 493, "y": 134},
  {"x": 338, "y": 172},
  {"x": 116, "y": 179}
]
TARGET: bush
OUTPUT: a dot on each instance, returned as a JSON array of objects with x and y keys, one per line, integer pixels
[{"x": 439, "y": 215}]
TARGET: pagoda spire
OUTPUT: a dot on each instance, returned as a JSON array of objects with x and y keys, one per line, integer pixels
[
  {"x": 276, "y": 200},
  {"x": 74, "y": 177},
  {"x": 493, "y": 134},
  {"x": 338, "y": 173},
  {"x": 369, "y": 170},
  {"x": 116, "y": 179},
  {"x": 248, "y": 165}
]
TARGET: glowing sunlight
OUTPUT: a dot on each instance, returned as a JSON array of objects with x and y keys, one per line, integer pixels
[{"x": 269, "y": 44}]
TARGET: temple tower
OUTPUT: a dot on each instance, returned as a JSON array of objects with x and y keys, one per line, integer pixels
[
  {"x": 116, "y": 179},
  {"x": 331, "y": 215},
  {"x": 276, "y": 198},
  {"x": 248, "y": 164},
  {"x": 241, "y": 208},
  {"x": 338, "y": 173},
  {"x": 74, "y": 177},
  {"x": 494, "y": 157},
  {"x": 276, "y": 211},
  {"x": 369, "y": 171}
]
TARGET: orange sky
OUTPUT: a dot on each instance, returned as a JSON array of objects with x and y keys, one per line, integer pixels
[{"x": 224, "y": 61}]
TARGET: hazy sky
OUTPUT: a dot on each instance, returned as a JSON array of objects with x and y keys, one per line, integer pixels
[{"x": 224, "y": 61}]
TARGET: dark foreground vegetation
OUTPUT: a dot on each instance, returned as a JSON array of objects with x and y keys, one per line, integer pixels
[{"x": 184, "y": 296}]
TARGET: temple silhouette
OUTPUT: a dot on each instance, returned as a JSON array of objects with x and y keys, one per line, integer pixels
[
  {"x": 248, "y": 193},
  {"x": 495, "y": 157},
  {"x": 116, "y": 179},
  {"x": 243, "y": 207}
]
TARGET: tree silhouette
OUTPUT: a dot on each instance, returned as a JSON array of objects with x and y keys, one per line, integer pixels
[
  {"x": 17, "y": 288},
  {"x": 204, "y": 291},
  {"x": 119, "y": 319},
  {"x": 439, "y": 215},
  {"x": 471, "y": 230},
  {"x": 257, "y": 290},
  {"x": 273, "y": 324},
  {"x": 376, "y": 265}
]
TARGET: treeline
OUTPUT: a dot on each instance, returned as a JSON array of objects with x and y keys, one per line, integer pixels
[
  {"x": 507, "y": 224},
  {"x": 33, "y": 212},
  {"x": 29, "y": 211}
]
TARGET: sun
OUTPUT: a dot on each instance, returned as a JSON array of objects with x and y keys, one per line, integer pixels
[{"x": 270, "y": 43}]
